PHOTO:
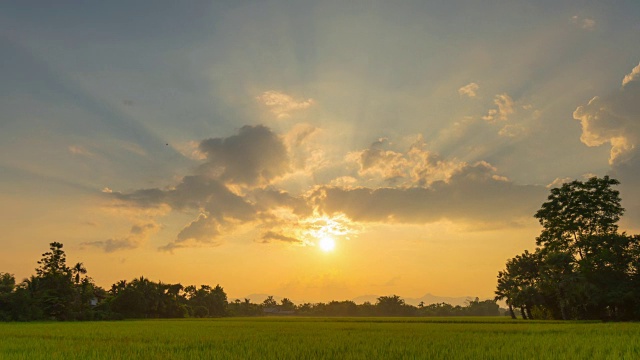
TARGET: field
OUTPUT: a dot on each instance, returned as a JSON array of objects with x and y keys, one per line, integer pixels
[{"x": 321, "y": 338}]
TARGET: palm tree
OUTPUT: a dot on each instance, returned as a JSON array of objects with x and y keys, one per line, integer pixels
[{"x": 78, "y": 269}]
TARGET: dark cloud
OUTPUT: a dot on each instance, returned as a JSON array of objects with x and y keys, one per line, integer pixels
[
  {"x": 111, "y": 245},
  {"x": 137, "y": 236},
  {"x": 203, "y": 230},
  {"x": 271, "y": 236},
  {"x": 472, "y": 194},
  {"x": 253, "y": 157},
  {"x": 218, "y": 206}
]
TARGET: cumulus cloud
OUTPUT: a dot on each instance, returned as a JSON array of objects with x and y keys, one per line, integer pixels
[
  {"x": 233, "y": 167},
  {"x": 613, "y": 120},
  {"x": 281, "y": 104},
  {"x": 469, "y": 90},
  {"x": 473, "y": 194},
  {"x": 203, "y": 230},
  {"x": 138, "y": 234},
  {"x": 415, "y": 167},
  {"x": 219, "y": 207},
  {"x": 503, "y": 115},
  {"x": 381, "y": 162},
  {"x": 504, "y": 108},
  {"x": 632, "y": 76},
  {"x": 413, "y": 185},
  {"x": 253, "y": 157},
  {"x": 583, "y": 22}
]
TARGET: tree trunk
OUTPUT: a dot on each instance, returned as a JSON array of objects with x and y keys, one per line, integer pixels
[
  {"x": 563, "y": 312},
  {"x": 561, "y": 303},
  {"x": 523, "y": 313},
  {"x": 528, "y": 308},
  {"x": 513, "y": 315}
]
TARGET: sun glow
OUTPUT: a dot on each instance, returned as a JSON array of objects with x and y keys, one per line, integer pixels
[{"x": 327, "y": 244}]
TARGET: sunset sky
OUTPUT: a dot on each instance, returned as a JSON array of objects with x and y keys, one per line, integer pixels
[{"x": 222, "y": 142}]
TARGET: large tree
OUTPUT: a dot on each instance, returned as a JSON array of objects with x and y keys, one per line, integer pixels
[
  {"x": 577, "y": 211},
  {"x": 54, "y": 290},
  {"x": 584, "y": 268},
  {"x": 53, "y": 262}
]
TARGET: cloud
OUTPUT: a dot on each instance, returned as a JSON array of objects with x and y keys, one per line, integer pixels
[
  {"x": 307, "y": 230},
  {"x": 344, "y": 181},
  {"x": 271, "y": 236},
  {"x": 281, "y": 104},
  {"x": 504, "y": 108},
  {"x": 203, "y": 230},
  {"x": 377, "y": 161},
  {"x": 414, "y": 185},
  {"x": 253, "y": 157},
  {"x": 219, "y": 208},
  {"x": 138, "y": 234},
  {"x": 557, "y": 182},
  {"x": 304, "y": 151},
  {"x": 613, "y": 119},
  {"x": 80, "y": 150},
  {"x": 473, "y": 194},
  {"x": 513, "y": 130},
  {"x": 416, "y": 167},
  {"x": 469, "y": 90},
  {"x": 191, "y": 150},
  {"x": 583, "y": 23},
  {"x": 632, "y": 76},
  {"x": 221, "y": 191}
]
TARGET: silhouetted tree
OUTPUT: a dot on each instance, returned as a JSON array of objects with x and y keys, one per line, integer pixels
[
  {"x": 269, "y": 302},
  {"x": 584, "y": 269},
  {"x": 213, "y": 299},
  {"x": 54, "y": 290},
  {"x": 577, "y": 211},
  {"x": 391, "y": 305},
  {"x": 77, "y": 270},
  {"x": 287, "y": 305}
]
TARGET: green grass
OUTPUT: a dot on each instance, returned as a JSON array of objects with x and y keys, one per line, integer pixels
[{"x": 321, "y": 338}]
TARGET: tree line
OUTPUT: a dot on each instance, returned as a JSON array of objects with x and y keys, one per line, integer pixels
[
  {"x": 582, "y": 267},
  {"x": 60, "y": 292}
]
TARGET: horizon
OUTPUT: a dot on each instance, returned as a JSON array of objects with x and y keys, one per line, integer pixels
[{"x": 314, "y": 151}]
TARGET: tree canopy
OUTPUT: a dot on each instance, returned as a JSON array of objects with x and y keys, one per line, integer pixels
[{"x": 583, "y": 268}]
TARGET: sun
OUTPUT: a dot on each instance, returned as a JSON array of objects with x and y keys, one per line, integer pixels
[{"x": 327, "y": 244}]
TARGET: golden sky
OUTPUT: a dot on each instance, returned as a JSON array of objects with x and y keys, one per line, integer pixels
[{"x": 316, "y": 150}]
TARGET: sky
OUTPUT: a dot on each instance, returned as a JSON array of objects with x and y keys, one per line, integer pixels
[{"x": 224, "y": 142}]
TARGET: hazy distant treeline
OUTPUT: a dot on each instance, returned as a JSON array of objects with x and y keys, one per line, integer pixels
[{"x": 60, "y": 292}]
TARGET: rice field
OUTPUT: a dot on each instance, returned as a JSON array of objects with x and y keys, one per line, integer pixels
[{"x": 321, "y": 338}]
